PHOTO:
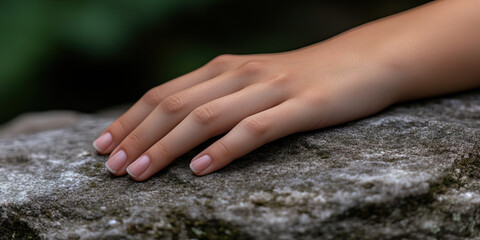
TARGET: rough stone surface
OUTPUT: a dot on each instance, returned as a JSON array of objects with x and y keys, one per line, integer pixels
[
  {"x": 38, "y": 122},
  {"x": 410, "y": 172}
]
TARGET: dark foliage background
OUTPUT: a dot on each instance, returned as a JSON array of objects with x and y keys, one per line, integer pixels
[{"x": 89, "y": 55}]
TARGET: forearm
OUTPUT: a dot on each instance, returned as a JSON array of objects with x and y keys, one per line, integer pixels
[{"x": 430, "y": 50}]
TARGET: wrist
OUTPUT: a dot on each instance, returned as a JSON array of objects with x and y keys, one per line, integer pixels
[{"x": 367, "y": 50}]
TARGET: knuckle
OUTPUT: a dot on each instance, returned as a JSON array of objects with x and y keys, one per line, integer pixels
[
  {"x": 254, "y": 126},
  {"x": 252, "y": 67},
  {"x": 161, "y": 149},
  {"x": 280, "y": 79},
  {"x": 222, "y": 60},
  {"x": 152, "y": 97},
  {"x": 171, "y": 104},
  {"x": 122, "y": 125},
  {"x": 205, "y": 114},
  {"x": 222, "y": 149},
  {"x": 315, "y": 97},
  {"x": 134, "y": 140}
]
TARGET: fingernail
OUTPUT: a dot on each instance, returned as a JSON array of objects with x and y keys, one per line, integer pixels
[
  {"x": 103, "y": 142},
  {"x": 139, "y": 166},
  {"x": 116, "y": 162},
  {"x": 200, "y": 164}
]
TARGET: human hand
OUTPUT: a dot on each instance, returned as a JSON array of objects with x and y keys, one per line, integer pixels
[{"x": 255, "y": 99}]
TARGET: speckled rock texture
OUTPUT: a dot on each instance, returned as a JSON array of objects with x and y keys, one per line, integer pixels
[{"x": 410, "y": 172}]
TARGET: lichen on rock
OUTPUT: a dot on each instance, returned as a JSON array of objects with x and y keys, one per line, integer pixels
[{"x": 411, "y": 171}]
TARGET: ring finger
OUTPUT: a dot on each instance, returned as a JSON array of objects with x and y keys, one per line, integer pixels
[{"x": 204, "y": 122}]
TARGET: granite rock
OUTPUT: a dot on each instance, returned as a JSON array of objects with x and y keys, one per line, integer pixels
[{"x": 409, "y": 172}]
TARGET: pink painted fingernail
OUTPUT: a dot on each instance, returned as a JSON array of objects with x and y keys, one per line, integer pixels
[
  {"x": 139, "y": 166},
  {"x": 200, "y": 164},
  {"x": 103, "y": 142},
  {"x": 116, "y": 162}
]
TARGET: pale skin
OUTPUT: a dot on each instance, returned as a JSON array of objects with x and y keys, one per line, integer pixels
[{"x": 430, "y": 50}]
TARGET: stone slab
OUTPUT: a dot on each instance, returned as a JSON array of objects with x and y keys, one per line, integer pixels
[{"x": 409, "y": 172}]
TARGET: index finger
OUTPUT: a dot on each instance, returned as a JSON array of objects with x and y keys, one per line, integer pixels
[{"x": 121, "y": 127}]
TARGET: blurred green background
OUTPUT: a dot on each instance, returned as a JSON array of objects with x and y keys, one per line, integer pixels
[{"x": 89, "y": 55}]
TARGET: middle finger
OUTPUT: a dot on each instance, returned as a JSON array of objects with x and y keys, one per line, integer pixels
[{"x": 172, "y": 110}]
